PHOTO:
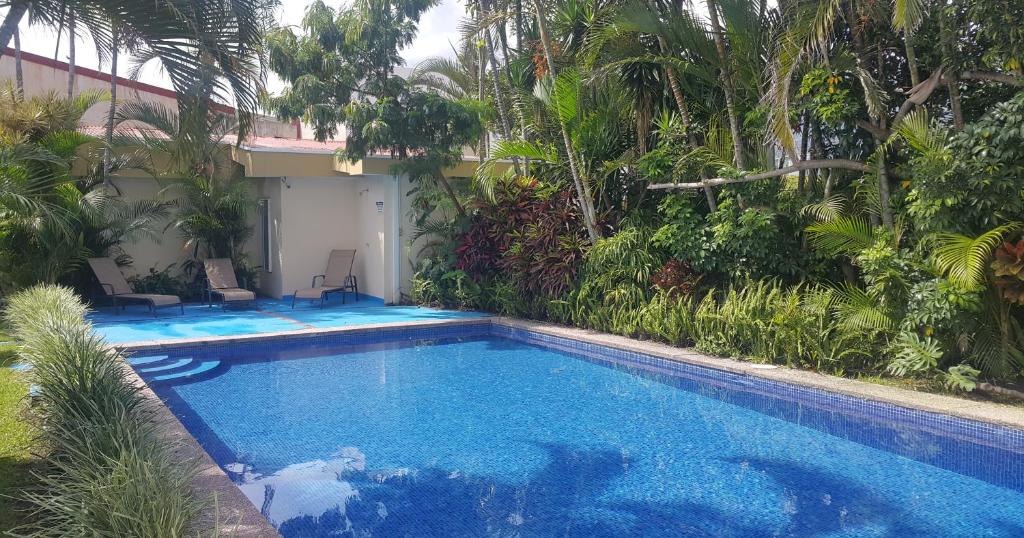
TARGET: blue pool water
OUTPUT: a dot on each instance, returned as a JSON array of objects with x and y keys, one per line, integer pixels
[{"x": 490, "y": 436}]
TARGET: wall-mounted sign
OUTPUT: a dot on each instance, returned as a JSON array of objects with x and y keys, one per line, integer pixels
[{"x": 380, "y": 207}]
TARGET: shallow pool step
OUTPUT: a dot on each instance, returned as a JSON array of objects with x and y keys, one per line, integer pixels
[
  {"x": 172, "y": 365},
  {"x": 196, "y": 368},
  {"x": 139, "y": 361}
]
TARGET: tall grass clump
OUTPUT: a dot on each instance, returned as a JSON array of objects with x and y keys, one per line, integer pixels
[
  {"x": 797, "y": 326},
  {"x": 110, "y": 472}
]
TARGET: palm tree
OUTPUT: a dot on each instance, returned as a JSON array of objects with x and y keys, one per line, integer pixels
[
  {"x": 190, "y": 38},
  {"x": 726, "y": 73},
  {"x": 19, "y": 76},
  {"x": 211, "y": 198},
  {"x": 50, "y": 221},
  {"x": 567, "y": 108}
]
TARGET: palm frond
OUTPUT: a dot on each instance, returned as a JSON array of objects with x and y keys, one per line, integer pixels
[
  {"x": 842, "y": 235},
  {"x": 963, "y": 259}
]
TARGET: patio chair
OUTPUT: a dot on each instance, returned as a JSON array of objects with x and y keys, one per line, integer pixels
[
  {"x": 114, "y": 285},
  {"x": 221, "y": 281},
  {"x": 337, "y": 278}
]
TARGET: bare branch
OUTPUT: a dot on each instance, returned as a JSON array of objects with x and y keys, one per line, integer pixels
[
  {"x": 813, "y": 164},
  {"x": 993, "y": 77}
]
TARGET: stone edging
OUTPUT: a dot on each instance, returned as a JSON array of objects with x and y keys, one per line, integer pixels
[
  {"x": 232, "y": 513},
  {"x": 988, "y": 412},
  {"x": 237, "y": 516}
]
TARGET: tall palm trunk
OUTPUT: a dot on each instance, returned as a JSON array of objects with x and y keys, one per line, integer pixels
[
  {"x": 582, "y": 188},
  {"x": 506, "y": 129},
  {"x": 19, "y": 76},
  {"x": 684, "y": 114},
  {"x": 727, "y": 85},
  {"x": 71, "y": 56},
  {"x": 908, "y": 44},
  {"x": 10, "y": 25},
  {"x": 952, "y": 82},
  {"x": 516, "y": 103},
  {"x": 481, "y": 76},
  {"x": 113, "y": 108}
]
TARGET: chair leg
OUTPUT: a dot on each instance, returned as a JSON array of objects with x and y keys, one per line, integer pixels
[
  {"x": 182, "y": 305},
  {"x": 293, "y": 299}
]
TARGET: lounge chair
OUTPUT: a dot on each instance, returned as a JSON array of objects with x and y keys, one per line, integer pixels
[
  {"x": 221, "y": 281},
  {"x": 337, "y": 278},
  {"x": 114, "y": 285}
]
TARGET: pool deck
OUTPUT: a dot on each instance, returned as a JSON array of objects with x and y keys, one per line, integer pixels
[{"x": 237, "y": 516}]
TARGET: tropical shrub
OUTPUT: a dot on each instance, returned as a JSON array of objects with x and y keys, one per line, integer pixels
[{"x": 109, "y": 472}]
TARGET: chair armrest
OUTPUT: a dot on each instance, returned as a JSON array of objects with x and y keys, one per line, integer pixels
[
  {"x": 313, "y": 284},
  {"x": 104, "y": 285}
]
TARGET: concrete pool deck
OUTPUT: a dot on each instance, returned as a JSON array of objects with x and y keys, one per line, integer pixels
[{"x": 237, "y": 516}]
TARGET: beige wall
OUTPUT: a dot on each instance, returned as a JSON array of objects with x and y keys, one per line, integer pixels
[
  {"x": 42, "y": 79},
  {"x": 319, "y": 214}
]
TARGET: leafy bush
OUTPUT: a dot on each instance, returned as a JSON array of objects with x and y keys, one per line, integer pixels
[
  {"x": 676, "y": 278},
  {"x": 165, "y": 282},
  {"x": 110, "y": 473},
  {"x": 755, "y": 233},
  {"x": 531, "y": 234}
]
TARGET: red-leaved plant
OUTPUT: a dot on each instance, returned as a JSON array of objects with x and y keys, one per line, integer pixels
[
  {"x": 1009, "y": 271},
  {"x": 532, "y": 236},
  {"x": 676, "y": 278}
]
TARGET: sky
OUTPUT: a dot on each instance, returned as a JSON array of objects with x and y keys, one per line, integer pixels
[{"x": 437, "y": 29}]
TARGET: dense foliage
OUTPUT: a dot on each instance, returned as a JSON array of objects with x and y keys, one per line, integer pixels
[{"x": 809, "y": 183}]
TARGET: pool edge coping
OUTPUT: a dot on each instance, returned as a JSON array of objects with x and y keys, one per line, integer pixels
[
  {"x": 249, "y": 522},
  {"x": 985, "y": 412},
  {"x": 232, "y": 514}
]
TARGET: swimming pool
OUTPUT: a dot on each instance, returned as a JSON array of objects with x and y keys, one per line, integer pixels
[{"x": 485, "y": 430}]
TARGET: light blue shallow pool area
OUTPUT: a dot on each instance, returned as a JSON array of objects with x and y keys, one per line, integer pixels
[
  {"x": 137, "y": 324},
  {"x": 485, "y": 430}
]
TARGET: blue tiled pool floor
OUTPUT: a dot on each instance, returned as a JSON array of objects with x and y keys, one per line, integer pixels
[
  {"x": 492, "y": 436},
  {"x": 136, "y": 324}
]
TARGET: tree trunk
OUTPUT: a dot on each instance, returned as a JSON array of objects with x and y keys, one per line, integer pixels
[
  {"x": 519, "y": 24},
  {"x": 19, "y": 76},
  {"x": 113, "y": 108},
  {"x": 883, "y": 194},
  {"x": 915, "y": 74},
  {"x": 506, "y": 129},
  {"x": 71, "y": 56},
  {"x": 952, "y": 80},
  {"x": 805, "y": 129},
  {"x": 727, "y": 84},
  {"x": 684, "y": 115},
  {"x": 480, "y": 85},
  {"x": 10, "y": 24},
  {"x": 582, "y": 189},
  {"x": 447, "y": 187}
]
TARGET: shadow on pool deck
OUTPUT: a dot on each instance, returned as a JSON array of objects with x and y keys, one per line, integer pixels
[{"x": 136, "y": 323}]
